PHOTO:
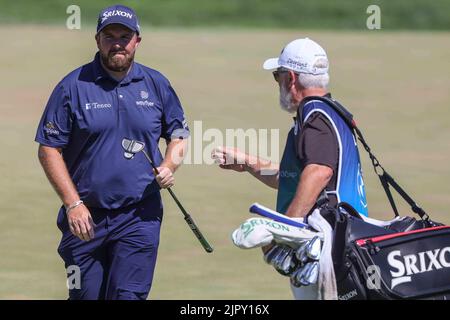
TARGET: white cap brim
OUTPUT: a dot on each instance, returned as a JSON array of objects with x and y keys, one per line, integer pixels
[{"x": 271, "y": 63}]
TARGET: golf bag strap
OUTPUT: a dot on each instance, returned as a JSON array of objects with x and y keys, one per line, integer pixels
[
  {"x": 385, "y": 178},
  {"x": 388, "y": 192}
]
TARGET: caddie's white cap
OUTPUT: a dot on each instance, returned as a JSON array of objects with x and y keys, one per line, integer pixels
[{"x": 300, "y": 55}]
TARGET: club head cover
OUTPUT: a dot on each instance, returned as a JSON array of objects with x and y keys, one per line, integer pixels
[{"x": 131, "y": 147}]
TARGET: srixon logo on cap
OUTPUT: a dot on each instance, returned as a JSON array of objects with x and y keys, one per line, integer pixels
[
  {"x": 412, "y": 264},
  {"x": 112, "y": 13}
]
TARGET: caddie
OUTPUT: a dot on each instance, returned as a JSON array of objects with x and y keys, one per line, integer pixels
[
  {"x": 112, "y": 210},
  {"x": 320, "y": 152}
]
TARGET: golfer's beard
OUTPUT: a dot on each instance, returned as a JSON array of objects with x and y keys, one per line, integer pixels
[
  {"x": 116, "y": 62},
  {"x": 286, "y": 101}
]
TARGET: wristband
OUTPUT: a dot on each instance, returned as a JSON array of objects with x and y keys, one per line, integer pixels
[{"x": 73, "y": 206}]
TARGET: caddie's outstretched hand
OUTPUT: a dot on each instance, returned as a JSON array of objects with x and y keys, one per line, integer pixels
[{"x": 229, "y": 158}]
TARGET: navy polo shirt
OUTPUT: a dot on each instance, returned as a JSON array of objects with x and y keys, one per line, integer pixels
[{"x": 88, "y": 115}]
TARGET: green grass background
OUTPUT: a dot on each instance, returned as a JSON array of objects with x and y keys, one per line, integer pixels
[
  {"x": 317, "y": 14},
  {"x": 395, "y": 83}
]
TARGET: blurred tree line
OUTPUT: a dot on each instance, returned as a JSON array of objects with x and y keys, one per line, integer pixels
[{"x": 308, "y": 14}]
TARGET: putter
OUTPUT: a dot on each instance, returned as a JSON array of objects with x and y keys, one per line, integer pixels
[{"x": 132, "y": 147}]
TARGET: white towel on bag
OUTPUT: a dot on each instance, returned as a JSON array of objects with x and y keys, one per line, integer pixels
[{"x": 327, "y": 279}]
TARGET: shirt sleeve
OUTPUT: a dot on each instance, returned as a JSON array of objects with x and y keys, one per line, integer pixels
[
  {"x": 174, "y": 125},
  {"x": 56, "y": 123},
  {"x": 318, "y": 143}
]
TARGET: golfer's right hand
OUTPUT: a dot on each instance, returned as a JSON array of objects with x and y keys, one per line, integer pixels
[
  {"x": 230, "y": 158},
  {"x": 80, "y": 223}
]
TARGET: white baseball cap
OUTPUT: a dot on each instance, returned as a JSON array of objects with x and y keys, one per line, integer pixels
[{"x": 301, "y": 56}]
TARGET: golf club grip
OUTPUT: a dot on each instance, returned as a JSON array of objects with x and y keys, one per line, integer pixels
[
  {"x": 198, "y": 234},
  {"x": 192, "y": 224},
  {"x": 187, "y": 217}
]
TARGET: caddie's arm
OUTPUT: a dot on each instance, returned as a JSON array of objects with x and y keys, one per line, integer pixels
[
  {"x": 79, "y": 218},
  {"x": 263, "y": 170},
  {"x": 234, "y": 159},
  {"x": 175, "y": 153},
  {"x": 313, "y": 180}
]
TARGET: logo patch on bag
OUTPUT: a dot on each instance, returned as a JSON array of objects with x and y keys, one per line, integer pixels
[{"x": 409, "y": 265}]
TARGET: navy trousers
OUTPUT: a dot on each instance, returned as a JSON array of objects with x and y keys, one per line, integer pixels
[{"x": 119, "y": 262}]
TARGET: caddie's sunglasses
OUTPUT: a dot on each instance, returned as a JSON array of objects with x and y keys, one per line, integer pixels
[{"x": 276, "y": 74}]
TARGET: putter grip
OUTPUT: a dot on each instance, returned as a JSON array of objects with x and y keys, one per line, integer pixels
[
  {"x": 198, "y": 234},
  {"x": 187, "y": 217},
  {"x": 191, "y": 224}
]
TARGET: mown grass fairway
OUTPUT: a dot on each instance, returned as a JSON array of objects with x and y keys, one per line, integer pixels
[{"x": 396, "y": 84}]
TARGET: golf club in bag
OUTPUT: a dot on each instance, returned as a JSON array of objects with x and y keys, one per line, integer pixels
[
  {"x": 132, "y": 147},
  {"x": 404, "y": 259}
]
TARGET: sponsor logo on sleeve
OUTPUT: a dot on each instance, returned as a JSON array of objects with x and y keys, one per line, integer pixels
[
  {"x": 185, "y": 125},
  {"x": 50, "y": 129}
]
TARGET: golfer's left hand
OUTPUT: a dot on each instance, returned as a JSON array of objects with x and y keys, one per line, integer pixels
[{"x": 165, "y": 177}]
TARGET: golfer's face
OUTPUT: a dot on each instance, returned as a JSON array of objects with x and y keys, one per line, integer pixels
[{"x": 117, "y": 45}]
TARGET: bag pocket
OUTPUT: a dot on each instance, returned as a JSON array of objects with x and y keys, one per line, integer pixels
[{"x": 411, "y": 265}]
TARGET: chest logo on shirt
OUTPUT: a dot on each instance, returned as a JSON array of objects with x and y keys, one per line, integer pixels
[
  {"x": 144, "y": 94},
  {"x": 144, "y": 102},
  {"x": 96, "y": 105}
]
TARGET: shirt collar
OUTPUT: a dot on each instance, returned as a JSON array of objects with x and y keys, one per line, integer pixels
[{"x": 100, "y": 73}]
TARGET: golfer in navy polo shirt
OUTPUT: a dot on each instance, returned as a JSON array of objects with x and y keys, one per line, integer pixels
[{"x": 112, "y": 212}]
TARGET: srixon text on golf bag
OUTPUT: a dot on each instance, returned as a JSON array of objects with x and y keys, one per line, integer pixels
[{"x": 405, "y": 258}]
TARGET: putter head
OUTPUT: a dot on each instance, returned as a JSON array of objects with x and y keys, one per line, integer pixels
[{"x": 131, "y": 147}]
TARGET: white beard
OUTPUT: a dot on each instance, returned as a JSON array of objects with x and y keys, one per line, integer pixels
[{"x": 286, "y": 101}]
